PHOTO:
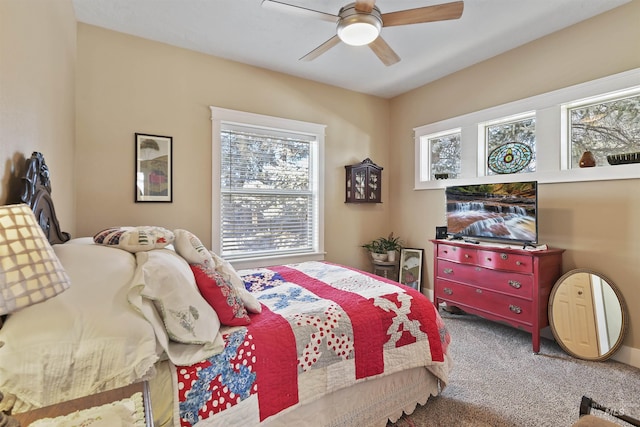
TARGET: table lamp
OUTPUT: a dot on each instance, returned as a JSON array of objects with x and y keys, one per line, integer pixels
[{"x": 30, "y": 271}]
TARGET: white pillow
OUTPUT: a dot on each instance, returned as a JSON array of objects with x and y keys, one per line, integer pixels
[
  {"x": 170, "y": 284},
  {"x": 225, "y": 268},
  {"x": 135, "y": 239},
  {"x": 165, "y": 292},
  {"x": 189, "y": 247}
]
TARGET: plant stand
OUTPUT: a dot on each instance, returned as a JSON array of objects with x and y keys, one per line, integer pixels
[{"x": 386, "y": 269}]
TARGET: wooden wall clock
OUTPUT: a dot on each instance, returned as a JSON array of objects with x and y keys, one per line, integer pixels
[{"x": 363, "y": 182}]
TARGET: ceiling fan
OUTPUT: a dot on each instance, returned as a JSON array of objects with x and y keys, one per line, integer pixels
[{"x": 360, "y": 23}]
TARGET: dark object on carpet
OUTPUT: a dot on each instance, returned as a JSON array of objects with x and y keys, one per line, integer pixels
[
  {"x": 586, "y": 404},
  {"x": 453, "y": 309}
]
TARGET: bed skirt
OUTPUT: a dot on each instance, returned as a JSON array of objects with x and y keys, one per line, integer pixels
[{"x": 370, "y": 403}]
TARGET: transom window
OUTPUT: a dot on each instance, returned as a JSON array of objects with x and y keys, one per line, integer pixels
[
  {"x": 444, "y": 154},
  {"x": 606, "y": 128},
  {"x": 511, "y": 145},
  {"x": 544, "y": 136}
]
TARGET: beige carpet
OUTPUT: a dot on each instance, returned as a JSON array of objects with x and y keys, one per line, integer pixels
[{"x": 497, "y": 381}]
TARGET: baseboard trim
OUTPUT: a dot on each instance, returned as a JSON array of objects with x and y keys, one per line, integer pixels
[
  {"x": 628, "y": 355},
  {"x": 428, "y": 293}
]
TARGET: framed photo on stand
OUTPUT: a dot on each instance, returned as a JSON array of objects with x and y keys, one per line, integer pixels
[
  {"x": 410, "y": 270},
  {"x": 154, "y": 168}
]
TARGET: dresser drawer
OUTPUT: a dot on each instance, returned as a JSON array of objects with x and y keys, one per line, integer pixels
[
  {"x": 501, "y": 305},
  {"x": 505, "y": 261},
  {"x": 520, "y": 285},
  {"x": 458, "y": 254}
]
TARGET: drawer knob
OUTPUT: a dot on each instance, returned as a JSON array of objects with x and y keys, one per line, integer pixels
[
  {"x": 448, "y": 271},
  {"x": 447, "y": 291},
  {"x": 478, "y": 291},
  {"x": 515, "y": 309},
  {"x": 467, "y": 256},
  {"x": 515, "y": 284},
  {"x": 518, "y": 263},
  {"x": 504, "y": 256},
  {"x": 488, "y": 259}
]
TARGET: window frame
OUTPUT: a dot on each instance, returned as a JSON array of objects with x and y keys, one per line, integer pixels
[
  {"x": 220, "y": 116},
  {"x": 592, "y": 100},
  {"x": 552, "y": 137},
  {"x": 426, "y": 151},
  {"x": 483, "y": 144}
]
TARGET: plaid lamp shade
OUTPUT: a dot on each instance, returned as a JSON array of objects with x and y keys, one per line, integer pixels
[{"x": 30, "y": 271}]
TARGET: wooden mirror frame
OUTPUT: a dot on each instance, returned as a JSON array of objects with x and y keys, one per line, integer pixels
[{"x": 623, "y": 327}]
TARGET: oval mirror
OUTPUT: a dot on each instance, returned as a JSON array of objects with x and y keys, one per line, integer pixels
[{"x": 587, "y": 315}]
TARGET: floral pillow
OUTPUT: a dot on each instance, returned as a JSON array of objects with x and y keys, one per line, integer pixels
[
  {"x": 230, "y": 274},
  {"x": 135, "y": 239},
  {"x": 221, "y": 295},
  {"x": 189, "y": 247}
]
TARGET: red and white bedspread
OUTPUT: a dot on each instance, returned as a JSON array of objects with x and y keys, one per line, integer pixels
[{"x": 323, "y": 327}]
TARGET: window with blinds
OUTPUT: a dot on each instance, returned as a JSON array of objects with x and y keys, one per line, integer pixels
[{"x": 268, "y": 192}]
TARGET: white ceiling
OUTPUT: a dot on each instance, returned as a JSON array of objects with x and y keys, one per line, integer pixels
[{"x": 244, "y": 31}]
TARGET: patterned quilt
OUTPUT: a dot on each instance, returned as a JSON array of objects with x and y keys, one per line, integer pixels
[{"x": 323, "y": 327}]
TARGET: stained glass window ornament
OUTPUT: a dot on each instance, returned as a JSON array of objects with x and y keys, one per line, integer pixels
[{"x": 511, "y": 157}]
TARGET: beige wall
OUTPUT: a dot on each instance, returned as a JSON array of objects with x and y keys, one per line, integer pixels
[
  {"x": 127, "y": 84},
  {"x": 37, "y": 85},
  {"x": 596, "y": 222}
]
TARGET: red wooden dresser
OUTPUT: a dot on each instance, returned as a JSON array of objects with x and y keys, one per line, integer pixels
[{"x": 511, "y": 286}]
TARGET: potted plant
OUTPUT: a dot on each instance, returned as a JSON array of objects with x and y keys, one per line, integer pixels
[
  {"x": 391, "y": 244},
  {"x": 384, "y": 248},
  {"x": 377, "y": 250}
]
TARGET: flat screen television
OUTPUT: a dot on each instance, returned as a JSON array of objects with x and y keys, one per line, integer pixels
[{"x": 504, "y": 212}]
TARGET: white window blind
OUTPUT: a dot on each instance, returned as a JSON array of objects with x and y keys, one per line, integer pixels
[{"x": 268, "y": 192}]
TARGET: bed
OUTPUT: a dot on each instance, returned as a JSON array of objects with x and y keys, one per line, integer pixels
[{"x": 314, "y": 343}]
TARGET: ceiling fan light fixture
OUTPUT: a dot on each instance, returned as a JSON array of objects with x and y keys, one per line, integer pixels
[{"x": 359, "y": 28}]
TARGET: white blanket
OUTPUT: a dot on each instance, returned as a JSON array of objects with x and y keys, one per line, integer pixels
[{"x": 85, "y": 340}]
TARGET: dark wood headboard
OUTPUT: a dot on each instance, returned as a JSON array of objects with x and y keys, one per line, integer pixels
[{"x": 36, "y": 193}]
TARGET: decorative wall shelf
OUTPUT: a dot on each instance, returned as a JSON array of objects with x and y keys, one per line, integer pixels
[{"x": 363, "y": 182}]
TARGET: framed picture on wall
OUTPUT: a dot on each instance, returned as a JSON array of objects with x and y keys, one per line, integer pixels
[
  {"x": 410, "y": 271},
  {"x": 154, "y": 168}
]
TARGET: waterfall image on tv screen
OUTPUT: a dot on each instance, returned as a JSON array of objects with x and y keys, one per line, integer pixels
[{"x": 505, "y": 211}]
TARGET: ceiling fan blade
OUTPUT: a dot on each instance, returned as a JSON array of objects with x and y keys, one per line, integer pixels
[
  {"x": 384, "y": 51},
  {"x": 365, "y": 5},
  {"x": 321, "y": 49},
  {"x": 300, "y": 11},
  {"x": 438, "y": 12}
]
